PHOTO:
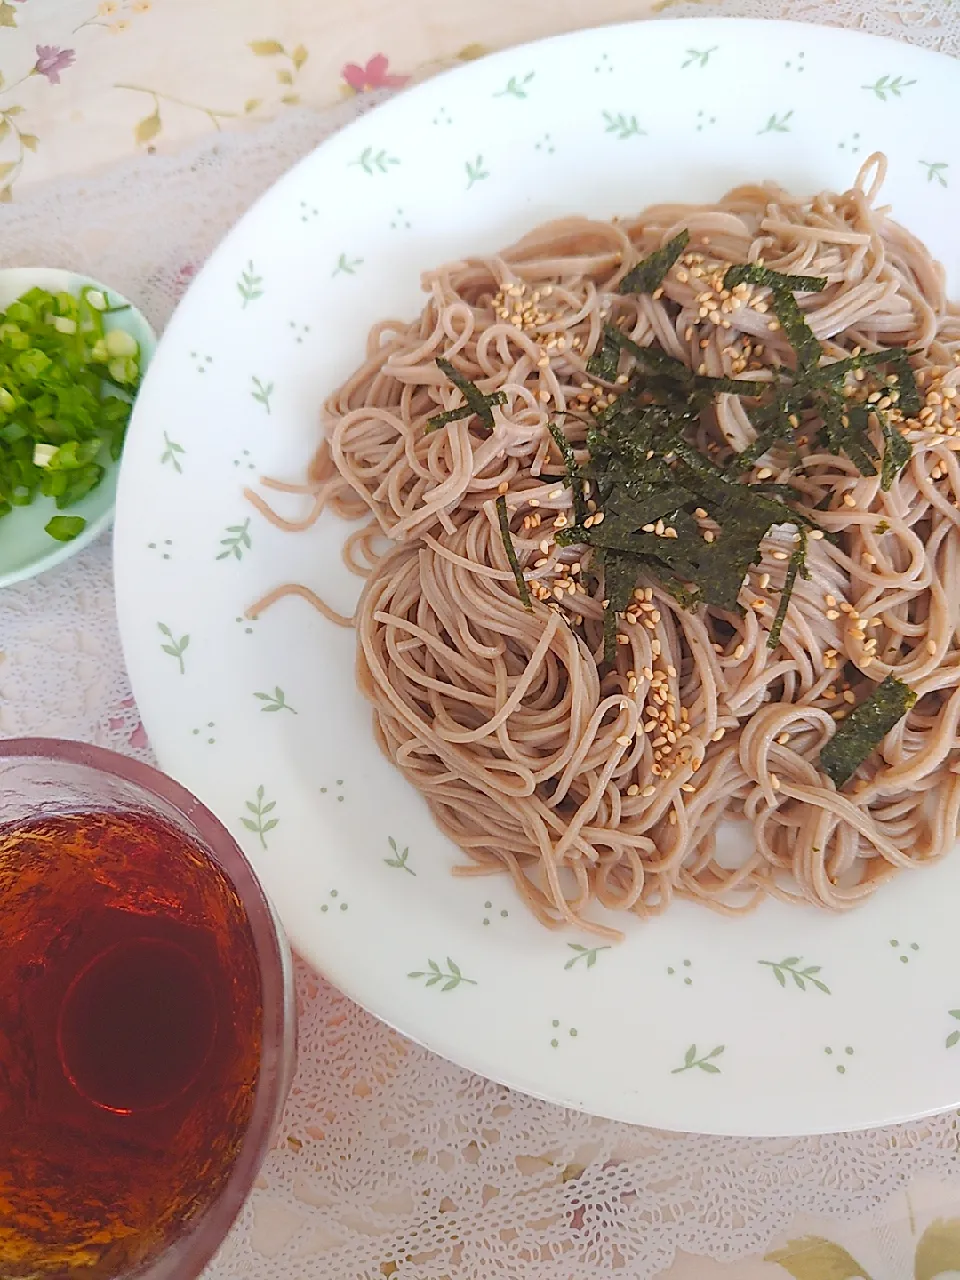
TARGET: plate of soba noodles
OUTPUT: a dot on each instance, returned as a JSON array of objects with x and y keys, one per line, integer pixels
[{"x": 539, "y": 541}]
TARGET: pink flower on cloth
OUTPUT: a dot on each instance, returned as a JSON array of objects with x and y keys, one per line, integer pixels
[
  {"x": 375, "y": 75},
  {"x": 51, "y": 61}
]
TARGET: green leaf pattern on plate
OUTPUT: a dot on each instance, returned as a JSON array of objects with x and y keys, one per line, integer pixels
[
  {"x": 888, "y": 87},
  {"x": 587, "y": 954},
  {"x": 260, "y": 822},
  {"x": 237, "y": 541},
  {"x": 250, "y": 285},
  {"x": 373, "y": 162},
  {"x": 451, "y": 978},
  {"x": 399, "y": 859},
  {"x": 516, "y": 87},
  {"x": 172, "y": 453},
  {"x": 777, "y": 124},
  {"x": 936, "y": 172},
  {"x": 801, "y": 977},
  {"x": 276, "y": 701},
  {"x": 262, "y": 391},
  {"x": 346, "y": 266},
  {"x": 698, "y": 57},
  {"x": 702, "y": 1063},
  {"x": 176, "y": 648},
  {"x": 476, "y": 171},
  {"x": 622, "y": 126},
  {"x": 954, "y": 1036}
]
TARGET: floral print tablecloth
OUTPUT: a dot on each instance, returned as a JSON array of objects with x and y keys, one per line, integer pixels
[{"x": 84, "y": 83}]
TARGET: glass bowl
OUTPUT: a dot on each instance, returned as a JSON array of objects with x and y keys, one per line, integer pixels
[{"x": 41, "y": 779}]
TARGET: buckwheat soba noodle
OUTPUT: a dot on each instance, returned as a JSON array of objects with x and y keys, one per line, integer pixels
[{"x": 674, "y": 538}]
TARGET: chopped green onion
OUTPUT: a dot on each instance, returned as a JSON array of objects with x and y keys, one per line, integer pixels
[
  {"x": 66, "y": 386},
  {"x": 120, "y": 343},
  {"x": 508, "y": 546},
  {"x": 65, "y": 528},
  {"x": 865, "y": 728}
]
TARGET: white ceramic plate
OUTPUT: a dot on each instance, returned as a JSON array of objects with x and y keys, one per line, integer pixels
[
  {"x": 785, "y": 1022},
  {"x": 26, "y": 548}
]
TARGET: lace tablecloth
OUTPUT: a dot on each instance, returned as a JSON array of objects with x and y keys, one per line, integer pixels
[{"x": 391, "y": 1162}]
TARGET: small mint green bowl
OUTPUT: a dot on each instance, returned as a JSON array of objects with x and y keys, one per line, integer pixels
[{"x": 26, "y": 549}]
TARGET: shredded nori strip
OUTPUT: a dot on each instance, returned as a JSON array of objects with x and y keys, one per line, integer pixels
[
  {"x": 897, "y": 452},
  {"x": 475, "y": 401},
  {"x": 754, "y": 273},
  {"x": 511, "y": 551},
  {"x": 897, "y": 358},
  {"x": 605, "y": 361},
  {"x": 847, "y": 430},
  {"x": 909, "y": 400},
  {"x": 619, "y": 577},
  {"x": 785, "y": 307},
  {"x": 646, "y": 471},
  {"x": 865, "y": 728},
  {"x": 658, "y": 362},
  {"x": 649, "y": 274},
  {"x": 573, "y": 478},
  {"x": 797, "y": 565},
  {"x": 645, "y": 468}
]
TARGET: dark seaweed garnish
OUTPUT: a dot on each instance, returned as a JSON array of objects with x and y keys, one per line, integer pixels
[
  {"x": 649, "y": 274},
  {"x": 508, "y": 546},
  {"x": 475, "y": 402},
  {"x": 865, "y": 728},
  {"x": 846, "y": 428},
  {"x": 653, "y": 486},
  {"x": 896, "y": 453},
  {"x": 797, "y": 566},
  {"x": 657, "y": 362},
  {"x": 785, "y": 307},
  {"x": 647, "y": 471},
  {"x": 573, "y": 478}
]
